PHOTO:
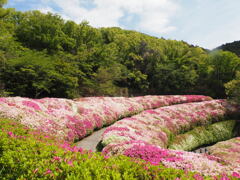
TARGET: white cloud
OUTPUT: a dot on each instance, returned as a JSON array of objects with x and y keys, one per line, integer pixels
[
  {"x": 45, "y": 9},
  {"x": 153, "y": 15}
]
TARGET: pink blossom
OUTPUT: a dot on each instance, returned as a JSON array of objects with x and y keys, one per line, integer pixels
[
  {"x": 70, "y": 163},
  {"x": 10, "y": 134},
  {"x": 198, "y": 177},
  {"x": 235, "y": 174},
  {"x": 32, "y": 105},
  {"x": 56, "y": 158},
  {"x": 48, "y": 171}
]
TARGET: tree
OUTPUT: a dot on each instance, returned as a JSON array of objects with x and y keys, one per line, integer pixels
[
  {"x": 43, "y": 31},
  {"x": 37, "y": 75},
  {"x": 233, "y": 88},
  {"x": 3, "y": 12},
  {"x": 221, "y": 67}
]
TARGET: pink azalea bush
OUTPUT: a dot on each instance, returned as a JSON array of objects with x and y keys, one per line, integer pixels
[
  {"x": 146, "y": 135},
  {"x": 228, "y": 150},
  {"x": 74, "y": 119},
  {"x": 159, "y": 125},
  {"x": 202, "y": 163},
  {"x": 31, "y": 154}
]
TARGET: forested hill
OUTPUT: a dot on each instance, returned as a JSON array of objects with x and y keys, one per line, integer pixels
[
  {"x": 43, "y": 55},
  {"x": 232, "y": 47}
]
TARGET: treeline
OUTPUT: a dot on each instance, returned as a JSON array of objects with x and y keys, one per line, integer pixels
[
  {"x": 43, "y": 55},
  {"x": 233, "y": 47}
]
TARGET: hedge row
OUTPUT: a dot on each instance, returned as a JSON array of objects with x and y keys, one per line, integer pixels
[
  {"x": 148, "y": 134},
  {"x": 75, "y": 119},
  {"x": 204, "y": 135},
  {"x": 28, "y": 154}
]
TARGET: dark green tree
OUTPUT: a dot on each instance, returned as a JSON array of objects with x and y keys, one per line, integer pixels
[{"x": 233, "y": 88}]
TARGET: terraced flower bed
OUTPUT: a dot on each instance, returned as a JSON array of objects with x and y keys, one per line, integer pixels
[
  {"x": 228, "y": 150},
  {"x": 31, "y": 154},
  {"x": 204, "y": 135},
  {"x": 30, "y": 147},
  {"x": 148, "y": 134},
  {"x": 75, "y": 119}
]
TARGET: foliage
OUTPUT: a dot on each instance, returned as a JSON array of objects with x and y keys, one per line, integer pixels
[
  {"x": 148, "y": 134},
  {"x": 105, "y": 61},
  {"x": 222, "y": 67},
  {"x": 3, "y": 12},
  {"x": 233, "y": 88},
  {"x": 233, "y": 47},
  {"x": 204, "y": 135},
  {"x": 39, "y": 75},
  {"x": 28, "y": 154}
]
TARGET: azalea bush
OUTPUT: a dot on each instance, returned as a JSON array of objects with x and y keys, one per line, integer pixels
[
  {"x": 75, "y": 119},
  {"x": 148, "y": 134},
  {"x": 204, "y": 164},
  {"x": 228, "y": 150},
  {"x": 160, "y": 125},
  {"x": 204, "y": 135},
  {"x": 30, "y": 154}
]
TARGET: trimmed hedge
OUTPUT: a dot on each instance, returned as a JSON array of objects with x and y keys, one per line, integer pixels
[
  {"x": 204, "y": 135},
  {"x": 75, "y": 119},
  {"x": 28, "y": 154}
]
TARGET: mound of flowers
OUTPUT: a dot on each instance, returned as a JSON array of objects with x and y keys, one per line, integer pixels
[
  {"x": 228, "y": 150},
  {"x": 204, "y": 164},
  {"x": 147, "y": 135},
  {"x": 204, "y": 135},
  {"x": 31, "y": 154},
  {"x": 75, "y": 119}
]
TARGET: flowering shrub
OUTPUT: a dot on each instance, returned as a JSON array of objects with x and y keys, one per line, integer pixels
[
  {"x": 29, "y": 154},
  {"x": 204, "y": 135},
  {"x": 144, "y": 135},
  {"x": 228, "y": 150},
  {"x": 158, "y": 126},
  {"x": 74, "y": 119},
  {"x": 204, "y": 164}
]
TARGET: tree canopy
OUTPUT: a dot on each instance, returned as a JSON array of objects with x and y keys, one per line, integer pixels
[{"x": 44, "y": 55}]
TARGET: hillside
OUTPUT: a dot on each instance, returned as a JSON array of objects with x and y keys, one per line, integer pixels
[
  {"x": 42, "y": 55},
  {"x": 233, "y": 47},
  {"x": 79, "y": 102}
]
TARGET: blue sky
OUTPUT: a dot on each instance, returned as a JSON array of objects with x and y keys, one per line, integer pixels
[{"x": 206, "y": 23}]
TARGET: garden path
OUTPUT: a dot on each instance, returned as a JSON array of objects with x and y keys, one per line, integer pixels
[{"x": 90, "y": 142}]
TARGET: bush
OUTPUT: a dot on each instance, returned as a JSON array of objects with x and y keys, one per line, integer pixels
[
  {"x": 204, "y": 135},
  {"x": 28, "y": 154}
]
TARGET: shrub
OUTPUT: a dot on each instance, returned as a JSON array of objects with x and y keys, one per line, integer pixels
[
  {"x": 204, "y": 135},
  {"x": 28, "y": 154}
]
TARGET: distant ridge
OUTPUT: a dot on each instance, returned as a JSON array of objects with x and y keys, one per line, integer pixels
[{"x": 232, "y": 47}]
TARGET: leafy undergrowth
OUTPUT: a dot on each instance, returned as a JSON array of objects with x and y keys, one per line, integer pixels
[{"x": 29, "y": 154}]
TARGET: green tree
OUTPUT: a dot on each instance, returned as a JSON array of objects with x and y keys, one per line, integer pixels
[
  {"x": 38, "y": 75},
  {"x": 43, "y": 31},
  {"x": 233, "y": 88},
  {"x": 221, "y": 67},
  {"x": 3, "y": 12}
]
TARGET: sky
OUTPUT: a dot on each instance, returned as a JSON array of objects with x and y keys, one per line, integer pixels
[{"x": 205, "y": 23}]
